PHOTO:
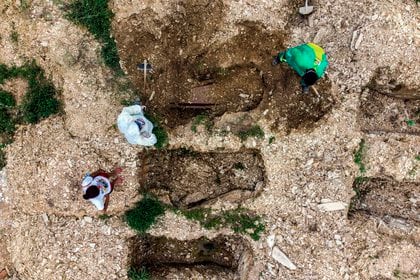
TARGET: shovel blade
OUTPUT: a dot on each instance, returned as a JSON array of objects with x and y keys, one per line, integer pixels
[
  {"x": 144, "y": 67},
  {"x": 306, "y": 10}
]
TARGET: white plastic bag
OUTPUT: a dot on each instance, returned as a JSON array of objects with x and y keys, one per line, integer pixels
[{"x": 135, "y": 127}]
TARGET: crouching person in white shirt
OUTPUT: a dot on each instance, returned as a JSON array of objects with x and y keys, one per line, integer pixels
[
  {"x": 135, "y": 127},
  {"x": 98, "y": 186}
]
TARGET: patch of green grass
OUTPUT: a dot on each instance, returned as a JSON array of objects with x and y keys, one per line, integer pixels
[
  {"x": 198, "y": 214},
  {"x": 144, "y": 214},
  {"x": 239, "y": 166},
  {"x": 104, "y": 217},
  {"x": 6, "y": 99},
  {"x": 396, "y": 273},
  {"x": 255, "y": 131},
  {"x": 160, "y": 133},
  {"x": 24, "y": 5},
  {"x": 417, "y": 158},
  {"x": 359, "y": 156},
  {"x": 271, "y": 140},
  {"x": 96, "y": 17},
  {"x": 141, "y": 274},
  {"x": 245, "y": 223},
  {"x": 239, "y": 220},
  {"x": 410, "y": 122},
  {"x": 40, "y": 100},
  {"x": 201, "y": 119}
]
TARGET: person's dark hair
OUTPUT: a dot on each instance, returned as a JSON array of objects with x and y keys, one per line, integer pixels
[
  {"x": 310, "y": 77},
  {"x": 91, "y": 192}
]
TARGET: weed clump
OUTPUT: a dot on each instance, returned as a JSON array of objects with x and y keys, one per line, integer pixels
[
  {"x": 160, "y": 133},
  {"x": 239, "y": 220},
  {"x": 96, "y": 17},
  {"x": 138, "y": 274},
  {"x": 40, "y": 100},
  {"x": 255, "y": 131},
  {"x": 144, "y": 214},
  {"x": 201, "y": 119}
]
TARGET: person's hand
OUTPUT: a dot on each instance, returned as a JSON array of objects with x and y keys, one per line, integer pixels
[{"x": 117, "y": 170}]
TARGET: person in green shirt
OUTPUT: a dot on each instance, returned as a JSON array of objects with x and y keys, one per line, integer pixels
[{"x": 308, "y": 60}]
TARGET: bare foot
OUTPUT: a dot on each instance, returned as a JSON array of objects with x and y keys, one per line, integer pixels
[
  {"x": 118, "y": 181},
  {"x": 117, "y": 171}
]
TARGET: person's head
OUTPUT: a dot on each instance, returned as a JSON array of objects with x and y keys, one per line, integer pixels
[
  {"x": 310, "y": 77},
  {"x": 91, "y": 192}
]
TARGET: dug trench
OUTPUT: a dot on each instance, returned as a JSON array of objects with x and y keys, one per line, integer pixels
[
  {"x": 224, "y": 257},
  {"x": 187, "y": 179},
  {"x": 389, "y": 106},
  {"x": 392, "y": 202},
  {"x": 195, "y": 71}
]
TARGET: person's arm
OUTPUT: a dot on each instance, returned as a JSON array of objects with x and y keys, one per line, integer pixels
[
  {"x": 94, "y": 174},
  {"x": 106, "y": 203}
]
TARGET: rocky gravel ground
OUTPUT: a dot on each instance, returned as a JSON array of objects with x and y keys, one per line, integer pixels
[{"x": 47, "y": 230}]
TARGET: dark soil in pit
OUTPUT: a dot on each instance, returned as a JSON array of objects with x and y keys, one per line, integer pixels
[
  {"x": 384, "y": 113},
  {"x": 196, "y": 70},
  {"x": 394, "y": 202},
  {"x": 187, "y": 179},
  {"x": 224, "y": 257},
  {"x": 289, "y": 107}
]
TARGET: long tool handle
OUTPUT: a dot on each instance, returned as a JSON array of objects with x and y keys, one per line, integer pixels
[{"x": 145, "y": 74}]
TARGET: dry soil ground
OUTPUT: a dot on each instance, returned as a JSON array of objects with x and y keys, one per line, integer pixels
[{"x": 218, "y": 53}]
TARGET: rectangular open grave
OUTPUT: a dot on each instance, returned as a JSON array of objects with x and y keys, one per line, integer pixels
[
  {"x": 383, "y": 112},
  {"x": 224, "y": 257},
  {"x": 188, "y": 179},
  {"x": 395, "y": 203}
]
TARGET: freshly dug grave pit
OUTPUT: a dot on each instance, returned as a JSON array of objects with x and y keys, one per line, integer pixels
[
  {"x": 396, "y": 203},
  {"x": 382, "y": 112},
  {"x": 188, "y": 179},
  {"x": 194, "y": 70},
  {"x": 289, "y": 107},
  {"x": 224, "y": 257}
]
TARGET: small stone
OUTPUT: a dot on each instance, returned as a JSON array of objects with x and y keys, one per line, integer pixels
[
  {"x": 45, "y": 218},
  {"x": 358, "y": 41},
  {"x": 271, "y": 240},
  {"x": 332, "y": 206},
  {"x": 280, "y": 257},
  {"x": 88, "y": 219}
]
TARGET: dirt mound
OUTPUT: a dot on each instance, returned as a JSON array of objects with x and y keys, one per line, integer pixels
[
  {"x": 188, "y": 178},
  {"x": 224, "y": 257}
]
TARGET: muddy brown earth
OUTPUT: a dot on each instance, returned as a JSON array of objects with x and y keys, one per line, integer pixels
[
  {"x": 223, "y": 257},
  {"x": 188, "y": 179},
  {"x": 195, "y": 72}
]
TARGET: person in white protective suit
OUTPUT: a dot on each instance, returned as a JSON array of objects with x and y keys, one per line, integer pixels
[{"x": 135, "y": 127}]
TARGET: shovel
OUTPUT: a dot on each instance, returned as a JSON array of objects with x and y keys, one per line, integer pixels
[
  {"x": 307, "y": 9},
  {"x": 145, "y": 67}
]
